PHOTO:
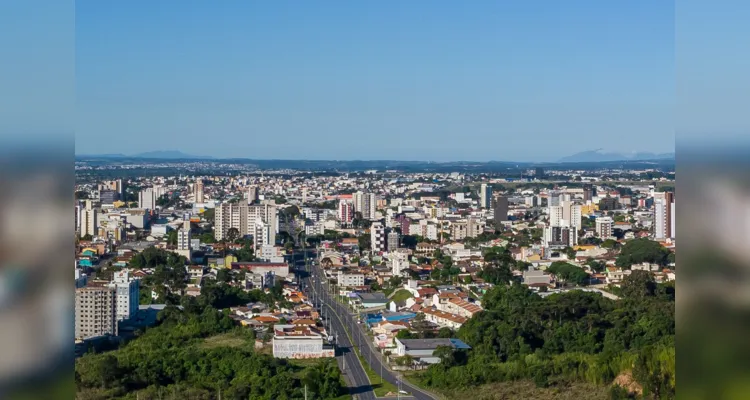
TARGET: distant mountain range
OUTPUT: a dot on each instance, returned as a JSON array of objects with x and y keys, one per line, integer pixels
[
  {"x": 160, "y": 154},
  {"x": 589, "y": 156},
  {"x": 601, "y": 156}
]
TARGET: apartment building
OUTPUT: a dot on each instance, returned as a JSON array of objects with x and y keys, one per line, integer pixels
[
  {"x": 127, "y": 295},
  {"x": 664, "y": 215},
  {"x": 604, "y": 227},
  {"x": 350, "y": 279},
  {"x": 148, "y": 197},
  {"x": 485, "y": 196},
  {"x": 89, "y": 220},
  {"x": 345, "y": 211},
  {"x": 377, "y": 237},
  {"x": 259, "y": 220},
  {"x": 501, "y": 211},
  {"x": 95, "y": 312},
  {"x": 365, "y": 203},
  {"x": 198, "y": 191},
  {"x": 393, "y": 240}
]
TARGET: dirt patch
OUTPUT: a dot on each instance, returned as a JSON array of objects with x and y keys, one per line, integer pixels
[{"x": 626, "y": 381}]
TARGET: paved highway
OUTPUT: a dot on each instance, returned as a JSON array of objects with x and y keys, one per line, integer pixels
[
  {"x": 316, "y": 281},
  {"x": 347, "y": 359}
]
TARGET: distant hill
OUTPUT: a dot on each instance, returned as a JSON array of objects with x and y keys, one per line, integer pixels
[
  {"x": 112, "y": 155},
  {"x": 162, "y": 155},
  {"x": 168, "y": 154},
  {"x": 600, "y": 156}
]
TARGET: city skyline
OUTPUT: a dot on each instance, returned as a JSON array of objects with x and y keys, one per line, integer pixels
[{"x": 375, "y": 82}]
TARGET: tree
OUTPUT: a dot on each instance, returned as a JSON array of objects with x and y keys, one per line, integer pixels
[
  {"x": 596, "y": 266},
  {"x": 103, "y": 372},
  {"x": 208, "y": 238},
  {"x": 209, "y": 214},
  {"x": 409, "y": 241},
  {"x": 233, "y": 234},
  {"x": 172, "y": 237},
  {"x": 246, "y": 253},
  {"x": 445, "y": 333},
  {"x": 405, "y": 334},
  {"x": 638, "y": 285},
  {"x": 570, "y": 253},
  {"x": 224, "y": 275},
  {"x": 642, "y": 250},
  {"x": 288, "y": 246},
  {"x": 421, "y": 326},
  {"x": 87, "y": 237},
  {"x": 569, "y": 273},
  {"x": 133, "y": 204},
  {"x": 445, "y": 354},
  {"x": 364, "y": 242}
]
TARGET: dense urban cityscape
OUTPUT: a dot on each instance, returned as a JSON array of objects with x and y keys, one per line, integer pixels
[{"x": 219, "y": 279}]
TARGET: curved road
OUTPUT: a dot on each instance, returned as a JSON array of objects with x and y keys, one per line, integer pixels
[{"x": 322, "y": 298}]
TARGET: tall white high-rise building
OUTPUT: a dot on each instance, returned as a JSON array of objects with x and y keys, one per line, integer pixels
[
  {"x": 245, "y": 218},
  {"x": 399, "y": 261},
  {"x": 198, "y": 191},
  {"x": 664, "y": 217},
  {"x": 263, "y": 235},
  {"x": 78, "y": 210},
  {"x": 485, "y": 196},
  {"x": 571, "y": 212},
  {"x": 88, "y": 221},
  {"x": 183, "y": 241},
  {"x": 365, "y": 203},
  {"x": 556, "y": 216},
  {"x": 127, "y": 295},
  {"x": 147, "y": 197}
]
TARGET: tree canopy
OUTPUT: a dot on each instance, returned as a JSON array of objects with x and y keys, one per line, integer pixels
[
  {"x": 569, "y": 273},
  {"x": 641, "y": 250},
  {"x": 565, "y": 337}
]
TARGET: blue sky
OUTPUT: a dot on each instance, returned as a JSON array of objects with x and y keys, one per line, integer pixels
[{"x": 420, "y": 80}]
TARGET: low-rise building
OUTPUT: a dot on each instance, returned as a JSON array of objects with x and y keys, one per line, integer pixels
[
  {"x": 348, "y": 279},
  {"x": 422, "y": 349},
  {"x": 297, "y": 341}
]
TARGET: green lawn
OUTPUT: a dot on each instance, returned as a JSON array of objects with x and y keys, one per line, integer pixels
[
  {"x": 402, "y": 295},
  {"x": 229, "y": 339}
]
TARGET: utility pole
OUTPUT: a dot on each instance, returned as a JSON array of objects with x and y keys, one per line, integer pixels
[{"x": 305, "y": 392}]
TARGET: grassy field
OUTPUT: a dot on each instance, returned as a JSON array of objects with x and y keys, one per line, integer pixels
[
  {"x": 402, "y": 295},
  {"x": 520, "y": 390},
  {"x": 230, "y": 339}
]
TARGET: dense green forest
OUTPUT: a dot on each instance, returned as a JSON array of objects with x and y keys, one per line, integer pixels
[{"x": 568, "y": 337}]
